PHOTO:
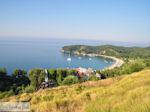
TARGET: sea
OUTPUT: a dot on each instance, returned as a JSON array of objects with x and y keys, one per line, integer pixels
[{"x": 45, "y": 53}]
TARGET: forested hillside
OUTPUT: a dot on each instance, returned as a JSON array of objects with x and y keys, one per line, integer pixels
[{"x": 110, "y": 50}]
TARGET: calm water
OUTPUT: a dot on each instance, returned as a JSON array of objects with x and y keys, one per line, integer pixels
[{"x": 44, "y": 54}]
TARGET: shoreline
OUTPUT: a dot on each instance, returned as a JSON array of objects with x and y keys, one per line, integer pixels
[{"x": 118, "y": 62}]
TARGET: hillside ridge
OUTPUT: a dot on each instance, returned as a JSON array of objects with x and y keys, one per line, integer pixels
[{"x": 122, "y": 94}]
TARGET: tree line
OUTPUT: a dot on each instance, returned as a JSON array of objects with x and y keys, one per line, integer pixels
[{"x": 21, "y": 81}]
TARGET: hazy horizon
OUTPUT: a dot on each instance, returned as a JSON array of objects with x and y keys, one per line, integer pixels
[
  {"x": 76, "y": 41},
  {"x": 121, "y": 21}
]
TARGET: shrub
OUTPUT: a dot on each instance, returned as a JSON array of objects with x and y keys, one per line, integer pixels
[
  {"x": 19, "y": 73},
  {"x": 127, "y": 68},
  {"x": 3, "y": 71},
  {"x": 71, "y": 72},
  {"x": 29, "y": 89},
  {"x": 36, "y": 77},
  {"x": 93, "y": 78},
  {"x": 6, "y": 94},
  {"x": 52, "y": 74},
  {"x": 19, "y": 89},
  {"x": 59, "y": 76},
  {"x": 70, "y": 80}
]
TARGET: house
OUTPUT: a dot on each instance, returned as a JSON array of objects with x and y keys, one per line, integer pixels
[{"x": 83, "y": 72}]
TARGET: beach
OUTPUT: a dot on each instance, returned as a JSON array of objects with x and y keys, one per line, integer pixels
[{"x": 118, "y": 62}]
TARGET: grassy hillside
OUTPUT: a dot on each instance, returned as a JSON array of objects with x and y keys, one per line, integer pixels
[
  {"x": 129, "y": 93},
  {"x": 110, "y": 50}
]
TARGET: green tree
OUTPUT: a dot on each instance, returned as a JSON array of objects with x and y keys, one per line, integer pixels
[
  {"x": 19, "y": 73},
  {"x": 93, "y": 78},
  {"x": 52, "y": 74},
  {"x": 70, "y": 80},
  {"x": 71, "y": 72},
  {"x": 59, "y": 77},
  {"x": 36, "y": 77},
  {"x": 3, "y": 71},
  {"x": 29, "y": 89},
  {"x": 41, "y": 77},
  {"x": 20, "y": 77}
]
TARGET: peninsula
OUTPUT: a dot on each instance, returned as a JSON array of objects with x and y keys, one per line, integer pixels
[{"x": 117, "y": 53}]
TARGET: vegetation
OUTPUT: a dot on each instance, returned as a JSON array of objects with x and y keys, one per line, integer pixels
[
  {"x": 36, "y": 77},
  {"x": 120, "y": 94},
  {"x": 93, "y": 78},
  {"x": 127, "y": 68},
  {"x": 70, "y": 80},
  {"x": 12, "y": 84},
  {"x": 21, "y": 82},
  {"x": 110, "y": 50},
  {"x": 3, "y": 71}
]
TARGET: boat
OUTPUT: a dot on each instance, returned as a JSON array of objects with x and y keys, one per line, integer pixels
[
  {"x": 90, "y": 58},
  {"x": 69, "y": 58}
]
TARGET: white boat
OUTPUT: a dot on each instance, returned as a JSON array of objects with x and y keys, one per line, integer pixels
[
  {"x": 90, "y": 58},
  {"x": 69, "y": 58}
]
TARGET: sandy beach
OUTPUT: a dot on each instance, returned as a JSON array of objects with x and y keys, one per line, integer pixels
[{"x": 118, "y": 62}]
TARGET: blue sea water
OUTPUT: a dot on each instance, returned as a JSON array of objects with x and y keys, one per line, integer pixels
[{"x": 28, "y": 54}]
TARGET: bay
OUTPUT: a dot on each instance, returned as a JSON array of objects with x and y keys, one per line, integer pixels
[{"x": 45, "y": 53}]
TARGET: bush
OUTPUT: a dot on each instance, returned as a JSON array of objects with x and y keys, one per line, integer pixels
[
  {"x": 36, "y": 77},
  {"x": 6, "y": 94},
  {"x": 70, "y": 80},
  {"x": 29, "y": 89},
  {"x": 19, "y": 73},
  {"x": 52, "y": 74},
  {"x": 71, "y": 72},
  {"x": 127, "y": 68},
  {"x": 59, "y": 77},
  {"x": 3, "y": 71},
  {"x": 93, "y": 78},
  {"x": 19, "y": 90}
]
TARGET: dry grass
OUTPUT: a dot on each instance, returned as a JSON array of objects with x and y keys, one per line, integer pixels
[{"x": 130, "y": 93}]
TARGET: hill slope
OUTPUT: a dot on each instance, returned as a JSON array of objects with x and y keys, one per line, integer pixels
[{"x": 129, "y": 93}]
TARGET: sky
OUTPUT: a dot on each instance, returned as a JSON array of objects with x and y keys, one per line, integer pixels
[{"x": 113, "y": 20}]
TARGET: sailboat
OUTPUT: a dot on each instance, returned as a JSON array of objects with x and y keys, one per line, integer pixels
[{"x": 69, "y": 58}]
